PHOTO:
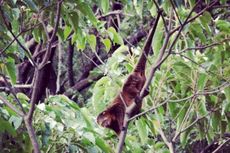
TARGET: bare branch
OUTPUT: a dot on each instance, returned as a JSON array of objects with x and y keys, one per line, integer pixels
[
  {"x": 52, "y": 38},
  {"x": 169, "y": 144},
  {"x": 22, "y": 86},
  {"x": 162, "y": 16},
  {"x": 32, "y": 134},
  {"x": 37, "y": 80},
  {"x": 115, "y": 12},
  {"x": 38, "y": 73}
]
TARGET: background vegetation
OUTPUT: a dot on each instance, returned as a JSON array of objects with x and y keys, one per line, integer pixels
[{"x": 63, "y": 61}]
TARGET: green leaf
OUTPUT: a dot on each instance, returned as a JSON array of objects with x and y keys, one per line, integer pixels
[
  {"x": 74, "y": 38},
  {"x": 227, "y": 93},
  {"x": 87, "y": 118},
  {"x": 103, "y": 145},
  {"x": 81, "y": 40},
  {"x": 107, "y": 44},
  {"x": 7, "y": 127},
  {"x": 115, "y": 36},
  {"x": 87, "y": 11},
  {"x": 16, "y": 121},
  {"x": 206, "y": 17},
  {"x": 153, "y": 10},
  {"x": 67, "y": 32},
  {"x": 205, "y": 20},
  {"x": 215, "y": 120},
  {"x": 202, "y": 107},
  {"x": 31, "y": 5},
  {"x": 22, "y": 96},
  {"x": 74, "y": 20},
  {"x": 202, "y": 81},
  {"x": 197, "y": 30},
  {"x": 142, "y": 130},
  {"x": 60, "y": 33},
  {"x": 98, "y": 94},
  {"x": 92, "y": 41},
  {"x": 139, "y": 7},
  {"x": 223, "y": 1},
  {"x": 184, "y": 138},
  {"x": 183, "y": 70},
  {"x": 105, "y": 5},
  {"x": 11, "y": 70},
  {"x": 121, "y": 50},
  {"x": 37, "y": 34},
  {"x": 223, "y": 25},
  {"x": 173, "y": 109},
  {"x": 158, "y": 38}
]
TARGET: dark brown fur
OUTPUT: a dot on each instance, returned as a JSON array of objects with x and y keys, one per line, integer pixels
[{"x": 113, "y": 116}]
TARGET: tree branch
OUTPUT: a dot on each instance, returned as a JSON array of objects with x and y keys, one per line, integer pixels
[{"x": 38, "y": 80}]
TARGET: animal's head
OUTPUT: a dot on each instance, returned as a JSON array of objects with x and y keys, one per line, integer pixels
[{"x": 108, "y": 120}]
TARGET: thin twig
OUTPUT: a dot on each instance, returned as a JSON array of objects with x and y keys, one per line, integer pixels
[
  {"x": 194, "y": 122},
  {"x": 150, "y": 110},
  {"x": 110, "y": 13},
  {"x": 196, "y": 16},
  {"x": 22, "y": 32},
  {"x": 15, "y": 37},
  {"x": 205, "y": 92},
  {"x": 169, "y": 144},
  {"x": 221, "y": 146},
  {"x": 11, "y": 106},
  {"x": 123, "y": 101},
  {"x": 184, "y": 119},
  {"x": 12, "y": 91},
  {"x": 174, "y": 9},
  {"x": 203, "y": 47},
  {"x": 22, "y": 86},
  {"x": 162, "y": 16}
]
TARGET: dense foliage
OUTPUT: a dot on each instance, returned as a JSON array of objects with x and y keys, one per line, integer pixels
[{"x": 95, "y": 47}]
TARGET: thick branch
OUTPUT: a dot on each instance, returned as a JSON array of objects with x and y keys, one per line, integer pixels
[
  {"x": 81, "y": 85},
  {"x": 38, "y": 71},
  {"x": 38, "y": 80}
]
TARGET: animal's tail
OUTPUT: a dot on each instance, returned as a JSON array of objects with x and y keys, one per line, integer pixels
[{"x": 140, "y": 67}]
